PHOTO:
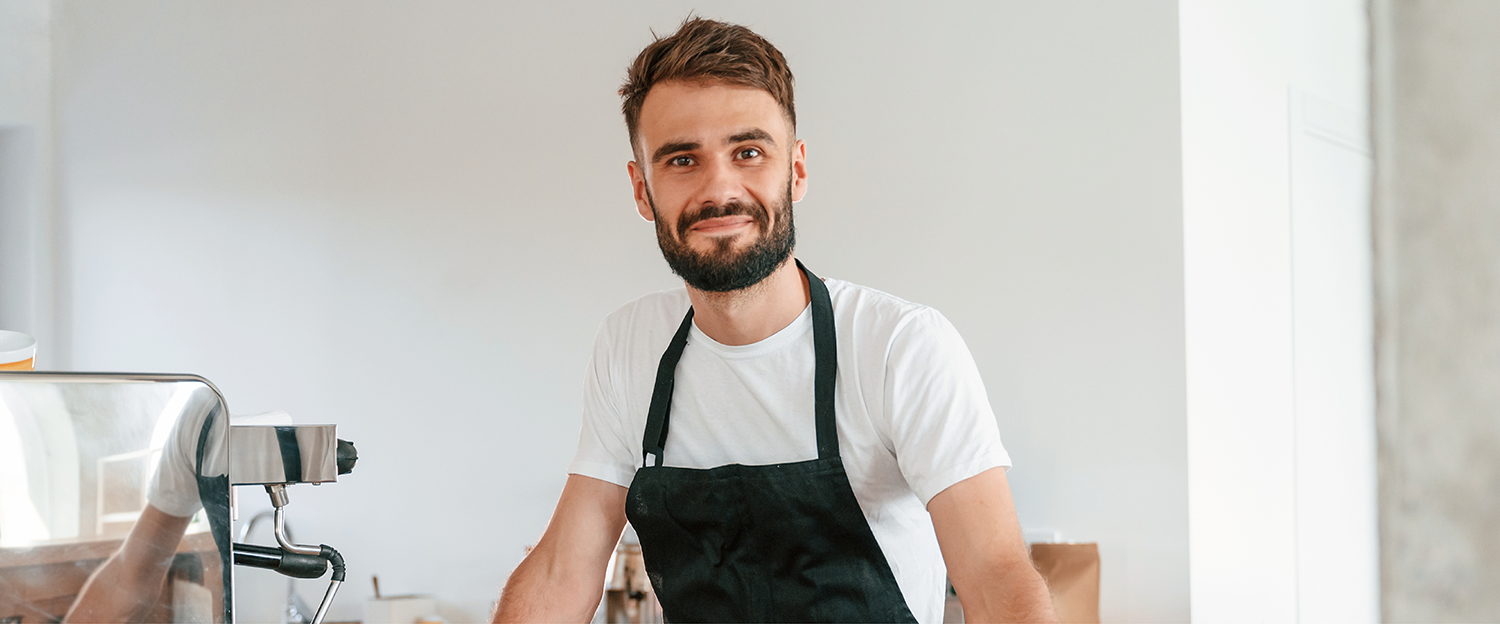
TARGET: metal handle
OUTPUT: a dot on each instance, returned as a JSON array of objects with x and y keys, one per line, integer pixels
[{"x": 279, "y": 501}]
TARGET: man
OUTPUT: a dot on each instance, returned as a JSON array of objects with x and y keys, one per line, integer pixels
[{"x": 787, "y": 448}]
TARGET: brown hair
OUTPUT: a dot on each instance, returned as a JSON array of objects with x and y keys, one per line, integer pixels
[{"x": 704, "y": 50}]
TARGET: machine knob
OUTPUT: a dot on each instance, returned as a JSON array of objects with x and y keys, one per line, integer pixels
[{"x": 346, "y": 456}]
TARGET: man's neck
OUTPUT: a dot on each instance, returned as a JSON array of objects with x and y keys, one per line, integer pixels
[{"x": 751, "y": 315}]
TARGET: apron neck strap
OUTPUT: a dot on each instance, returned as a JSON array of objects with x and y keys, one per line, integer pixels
[
  {"x": 661, "y": 396},
  {"x": 825, "y": 348}
]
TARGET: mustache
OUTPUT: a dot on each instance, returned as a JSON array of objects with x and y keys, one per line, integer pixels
[{"x": 732, "y": 209}]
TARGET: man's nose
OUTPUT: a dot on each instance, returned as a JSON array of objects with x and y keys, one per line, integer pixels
[{"x": 721, "y": 184}]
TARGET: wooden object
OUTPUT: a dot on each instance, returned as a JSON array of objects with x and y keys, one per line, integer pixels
[{"x": 629, "y": 599}]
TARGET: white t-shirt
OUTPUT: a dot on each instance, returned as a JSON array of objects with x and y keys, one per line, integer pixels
[
  {"x": 911, "y": 411},
  {"x": 174, "y": 487}
]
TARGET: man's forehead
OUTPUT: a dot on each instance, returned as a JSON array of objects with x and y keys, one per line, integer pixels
[{"x": 708, "y": 113}]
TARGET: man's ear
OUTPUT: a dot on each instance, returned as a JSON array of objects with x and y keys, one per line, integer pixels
[
  {"x": 799, "y": 171},
  {"x": 638, "y": 188}
]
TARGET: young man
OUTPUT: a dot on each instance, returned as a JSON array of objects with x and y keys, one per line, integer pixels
[{"x": 832, "y": 453}]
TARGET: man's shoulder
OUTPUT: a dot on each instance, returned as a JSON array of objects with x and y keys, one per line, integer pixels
[
  {"x": 868, "y": 310},
  {"x": 883, "y": 327}
]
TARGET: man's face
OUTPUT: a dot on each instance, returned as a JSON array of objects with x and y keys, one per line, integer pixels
[{"x": 718, "y": 169}]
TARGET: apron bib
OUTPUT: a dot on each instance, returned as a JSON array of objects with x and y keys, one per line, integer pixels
[{"x": 773, "y": 543}]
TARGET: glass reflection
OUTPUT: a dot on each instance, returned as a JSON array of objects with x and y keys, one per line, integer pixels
[{"x": 104, "y": 480}]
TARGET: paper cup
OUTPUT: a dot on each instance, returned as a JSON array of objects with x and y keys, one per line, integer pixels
[{"x": 17, "y": 351}]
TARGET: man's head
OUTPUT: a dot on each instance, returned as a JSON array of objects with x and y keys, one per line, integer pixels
[{"x": 717, "y": 161}]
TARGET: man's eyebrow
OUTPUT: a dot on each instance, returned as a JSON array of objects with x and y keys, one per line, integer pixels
[
  {"x": 672, "y": 148},
  {"x": 753, "y": 134}
]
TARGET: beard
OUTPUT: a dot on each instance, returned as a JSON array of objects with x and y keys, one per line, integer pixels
[{"x": 722, "y": 268}]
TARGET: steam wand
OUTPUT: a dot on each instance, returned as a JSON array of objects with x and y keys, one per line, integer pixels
[
  {"x": 292, "y": 559},
  {"x": 278, "y": 501}
]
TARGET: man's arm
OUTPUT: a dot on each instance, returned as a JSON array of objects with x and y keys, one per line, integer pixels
[
  {"x": 129, "y": 583},
  {"x": 562, "y": 579},
  {"x": 987, "y": 560}
]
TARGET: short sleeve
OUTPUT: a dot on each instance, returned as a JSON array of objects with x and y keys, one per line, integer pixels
[
  {"x": 174, "y": 487},
  {"x": 939, "y": 416},
  {"x": 604, "y": 449}
]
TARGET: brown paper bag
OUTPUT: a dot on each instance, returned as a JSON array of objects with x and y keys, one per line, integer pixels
[{"x": 1072, "y": 574}]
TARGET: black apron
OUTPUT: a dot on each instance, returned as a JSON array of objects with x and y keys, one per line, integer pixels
[
  {"x": 214, "y": 492},
  {"x": 774, "y": 543}
]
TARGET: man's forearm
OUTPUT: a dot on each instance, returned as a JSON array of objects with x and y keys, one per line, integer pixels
[
  {"x": 1017, "y": 595},
  {"x": 562, "y": 579},
  {"x": 541, "y": 591}
]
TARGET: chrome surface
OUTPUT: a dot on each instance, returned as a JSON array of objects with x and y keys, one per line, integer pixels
[
  {"x": 258, "y": 454},
  {"x": 333, "y": 588},
  {"x": 82, "y": 457},
  {"x": 285, "y": 541},
  {"x": 278, "y": 494}
]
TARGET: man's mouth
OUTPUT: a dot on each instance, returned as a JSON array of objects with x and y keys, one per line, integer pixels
[{"x": 721, "y": 225}]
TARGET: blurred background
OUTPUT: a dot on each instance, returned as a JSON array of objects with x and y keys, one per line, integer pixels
[{"x": 1150, "y": 220}]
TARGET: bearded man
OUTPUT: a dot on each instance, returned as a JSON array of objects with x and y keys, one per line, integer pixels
[{"x": 832, "y": 453}]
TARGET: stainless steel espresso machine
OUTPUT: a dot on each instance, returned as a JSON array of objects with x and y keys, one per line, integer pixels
[{"x": 116, "y": 505}]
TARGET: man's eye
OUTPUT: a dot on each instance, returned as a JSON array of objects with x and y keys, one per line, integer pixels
[
  {"x": 681, "y": 161},
  {"x": 749, "y": 152}
]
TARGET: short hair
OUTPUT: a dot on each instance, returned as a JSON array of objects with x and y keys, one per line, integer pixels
[{"x": 707, "y": 51}]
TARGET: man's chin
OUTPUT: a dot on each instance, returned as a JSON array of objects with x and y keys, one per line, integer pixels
[
  {"x": 705, "y": 246},
  {"x": 744, "y": 236}
]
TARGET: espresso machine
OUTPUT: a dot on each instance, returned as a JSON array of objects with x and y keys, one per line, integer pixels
[
  {"x": 276, "y": 457},
  {"x": 85, "y": 458}
]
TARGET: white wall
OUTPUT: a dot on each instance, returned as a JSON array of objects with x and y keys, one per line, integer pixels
[
  {"x": 26, "y": 171},
  {"x": 1276, "y": 239},
  {"x": 408, "y": 219}
]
